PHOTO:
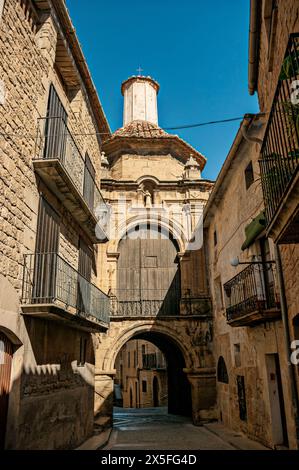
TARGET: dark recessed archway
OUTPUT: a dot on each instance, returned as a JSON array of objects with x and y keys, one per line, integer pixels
[{"x": 179, "y": 389}]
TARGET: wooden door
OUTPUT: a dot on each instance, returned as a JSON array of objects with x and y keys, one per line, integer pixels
[
  {"x": 45, "y": 263},
  {"x": 6, "y": 353},
  {"x": 148, "y": 274}
]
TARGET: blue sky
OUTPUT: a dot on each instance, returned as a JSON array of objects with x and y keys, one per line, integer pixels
[{"x": 196, "y": 49}]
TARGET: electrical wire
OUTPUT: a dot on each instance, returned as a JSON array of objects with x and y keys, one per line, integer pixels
[{"x": 186, "y": 126}]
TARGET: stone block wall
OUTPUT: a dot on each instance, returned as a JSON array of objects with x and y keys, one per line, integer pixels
[
  {"x": 270, "y": 59},
  {"x": 51, "y": 399}
]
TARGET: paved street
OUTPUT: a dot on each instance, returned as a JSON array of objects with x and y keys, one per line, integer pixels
[{"x": 152, "y": 429}]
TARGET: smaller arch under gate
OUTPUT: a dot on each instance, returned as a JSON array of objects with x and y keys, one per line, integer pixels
[{"x": 191, "y": 388}]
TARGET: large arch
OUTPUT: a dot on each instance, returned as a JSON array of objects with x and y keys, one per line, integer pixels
[
  {"x": 177, "y": 338},
  {"x": 175, "y": 229},
  {"x": 131, "y": 330}
]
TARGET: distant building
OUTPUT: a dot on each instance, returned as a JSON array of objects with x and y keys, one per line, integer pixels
[{"x": 141, "y": 373}]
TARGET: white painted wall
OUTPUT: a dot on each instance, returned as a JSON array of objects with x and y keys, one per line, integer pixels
[{"x": 140, "y": 101}]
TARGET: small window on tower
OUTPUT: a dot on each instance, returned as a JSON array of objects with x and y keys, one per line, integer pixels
[
  {"x": 144, "y": 386},
  {"x": 249, "y": 176}
]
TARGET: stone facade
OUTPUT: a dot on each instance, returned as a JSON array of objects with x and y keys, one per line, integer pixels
[
  {"x": 272, "y": 45},
  {"x": 275, "y": 28},
  {"x": 153, "y": 180},
  {"x": 246, "y": 350},
  {"x": 48, "y": 383}
]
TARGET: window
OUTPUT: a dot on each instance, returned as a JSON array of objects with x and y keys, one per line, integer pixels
[
  {"x": 270, "y": 21},
  {"x": 222, "y": 375},
  {"x": 83, "y": 350},
  {"x": 129, "y": 360},
  {"x": 143, "y": 349},
  {"x": 135, "y": 359},
  {"x": 215, "y": 238},
  {"x": 89, "y": 182},
  {"x": 249, "y": 176},
  {"x": 144, "y": 386},
  {"x": 237, "y": 353},
  {"x": 242, "y": 397}
]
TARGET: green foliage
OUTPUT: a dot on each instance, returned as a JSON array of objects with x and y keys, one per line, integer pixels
[{"x": 290, "y": 66}]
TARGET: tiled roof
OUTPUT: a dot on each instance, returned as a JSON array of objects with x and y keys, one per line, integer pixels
[
  {"x": 143, "y": 129},
  {"x": 146, "y": 132}
]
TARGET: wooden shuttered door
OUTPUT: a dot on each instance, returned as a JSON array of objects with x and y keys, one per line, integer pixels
[
  {"x": 84, "y": 277},
  {"x": 89, "y": 178},
  {"x": 55, "y": 130},
  {"x": 6, "y": 353},
  {"x": 47, "y": 245},
  {"x": 148, "y": 276}
]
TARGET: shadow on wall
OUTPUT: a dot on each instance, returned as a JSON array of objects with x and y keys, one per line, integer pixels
[{"x": 56, "y": 392}]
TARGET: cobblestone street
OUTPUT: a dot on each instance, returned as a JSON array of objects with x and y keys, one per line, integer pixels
[{"x": 152, "y": 429}]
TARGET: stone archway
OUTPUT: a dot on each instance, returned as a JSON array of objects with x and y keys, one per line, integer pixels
[{"x": 177, "y": 338}]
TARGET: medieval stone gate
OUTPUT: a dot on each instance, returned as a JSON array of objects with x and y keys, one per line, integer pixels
[{"x": 153, "y": 266}]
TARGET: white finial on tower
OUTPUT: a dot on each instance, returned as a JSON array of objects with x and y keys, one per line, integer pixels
[{"x": 139, "y": 70}]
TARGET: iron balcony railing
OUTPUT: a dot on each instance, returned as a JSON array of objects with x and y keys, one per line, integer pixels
[
  {"x": 55, "y": 141},
  {"x": 252, "y": 290},
  {"x": 48, "y": 279},
  {"x": 280, "y": 151},
  {"x": 152, "y": 361},
  {"x": 145, "y": 302}
]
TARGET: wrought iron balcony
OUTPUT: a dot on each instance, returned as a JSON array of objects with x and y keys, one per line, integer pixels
[
  {"x": 152, "y": 361},
  {"x": 279, "y": 161},
  {"x": 60, "y": 164},
  {"x": 52, "y": 288},
  {"x": 251, "y": 296},
  {"x": 145, "y": 303}
]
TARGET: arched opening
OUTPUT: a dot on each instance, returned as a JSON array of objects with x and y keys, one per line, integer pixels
[
  {"x": 156, "y": 364},
  {"x": 6, "y": 355},
  {"x": 148, "y": 273},
  {"x": 155, "y": 392}
]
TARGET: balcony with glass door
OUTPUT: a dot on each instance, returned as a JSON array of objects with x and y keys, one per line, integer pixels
[
  {"x": 60, "y": 164},
  {"x": 54, "y": 290}
]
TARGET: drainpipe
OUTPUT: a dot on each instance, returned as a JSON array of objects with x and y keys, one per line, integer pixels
[
  {"x": 253, "y": 45},
  {"x": 287, "y": 336}
]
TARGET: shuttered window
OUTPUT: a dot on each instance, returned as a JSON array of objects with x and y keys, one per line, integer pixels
[
  {"x": 47, "y": 245},
  {"x": 89, "y": 178},
  {"x": 55, "y": 131},
  {"x": 84, "y": 277}
]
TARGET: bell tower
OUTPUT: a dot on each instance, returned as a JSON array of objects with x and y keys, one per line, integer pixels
[{"x": 140, "y": 99}]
